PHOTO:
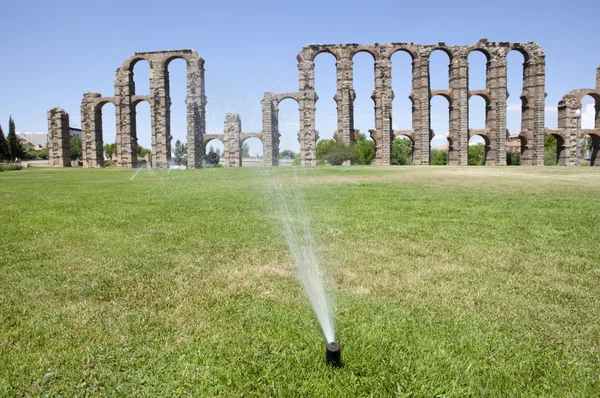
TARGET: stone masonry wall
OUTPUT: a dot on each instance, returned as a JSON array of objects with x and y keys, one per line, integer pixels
[
  {"x": 458, "y": 95},
  {"x": 126, "y": 100},
  {"x": 59, "y": 145}
]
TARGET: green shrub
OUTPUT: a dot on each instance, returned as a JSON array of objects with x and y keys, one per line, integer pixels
[
  {"x": 10, "y": 166},
  {"x": 513, "y": 158},
  {"x": 438, "y": 157}
]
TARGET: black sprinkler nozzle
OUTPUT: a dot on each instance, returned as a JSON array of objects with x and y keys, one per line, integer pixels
[{"x": 334, "y": 354}]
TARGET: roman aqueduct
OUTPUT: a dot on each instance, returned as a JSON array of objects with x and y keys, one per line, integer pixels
[{"x": 531, "y": 136}]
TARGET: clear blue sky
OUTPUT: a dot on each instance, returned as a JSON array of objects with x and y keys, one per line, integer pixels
[{"x": 53, "y": 52}]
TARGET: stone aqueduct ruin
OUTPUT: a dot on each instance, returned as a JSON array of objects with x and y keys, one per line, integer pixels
[{"x": 532, "y": 132}]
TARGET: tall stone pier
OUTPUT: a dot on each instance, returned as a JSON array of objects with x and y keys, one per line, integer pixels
[{"x": 59, "y": 144}]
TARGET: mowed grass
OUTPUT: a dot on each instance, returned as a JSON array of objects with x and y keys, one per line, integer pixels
[{"x": 446, "y": 281}]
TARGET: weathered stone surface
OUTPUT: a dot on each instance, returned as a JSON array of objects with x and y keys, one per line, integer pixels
[
  {"x": 531, "y": 135},
  {"x": 126, "y": 100},
  {"x": 458, "y": 95},
  {"x": 59, "y": 145}
]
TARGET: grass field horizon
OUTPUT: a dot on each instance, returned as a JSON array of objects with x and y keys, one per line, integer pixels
[{"x": 445, "y": 281}]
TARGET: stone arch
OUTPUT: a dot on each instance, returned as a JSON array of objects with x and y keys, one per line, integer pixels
[
  {"x": 560, "y": 158},
  {"x": 430, "y": 53},
  {"x": 245, "y": 161},
  {"x": 404, "y": 135},
  {"x": 401, "y": 86},
  {"x": 282, "y": 134},
  {"x": 325, "y": 88},
  {"x": 364, "y": 99},
  {"x": 486, "y": 144}
]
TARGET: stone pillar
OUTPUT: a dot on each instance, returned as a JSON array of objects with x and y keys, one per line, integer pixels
[
  {"x": 196, "y": 113},
  {"x": 537, "y": 88},
  {"x": 270, "y": 130},
  {"x": 383, "y": 97},
  {"x": 598, "y": 78},
  {"x": 92, "y": 145},
  {"x": 459, "y": 123},
  {"x": 496, "y": 113},
  {"x": 160, "y": 111},
  {"x": 231, "y": 140},
  {"x": 308, "y": 98},
  {"x": 568, "y": 123},
  {"x": 345, "y": 97},
  {"x": 421, "y": 106},
  {"x": 126, "y": 138},
  {"x": 59, "y": 145}
]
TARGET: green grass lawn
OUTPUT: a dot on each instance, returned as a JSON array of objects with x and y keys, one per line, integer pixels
[{"x": 445, "y": 281}]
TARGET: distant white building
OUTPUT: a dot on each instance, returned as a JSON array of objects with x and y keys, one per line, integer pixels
[
  {"x": 41, "y": 139},
  {"x": 36, "y": 139}
]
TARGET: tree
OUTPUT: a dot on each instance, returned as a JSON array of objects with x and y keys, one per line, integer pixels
[
  {"x": 333, "y": 152},
  {"x": 439, "y": 157},
  {"x": 110, "y": 150},
  {"x": 75, "y": 148},
  {"x": 364, "y": 150},
  {"x": 401, "y": 151},
  {"x": 212, "y": 158},
  {"x": 245, "y": 150},
  {"x": 287, "y": 154},
  {"x": 476, "y": 155},
  {"x": 4, "y": 153},
  {"x": 180, "y": 153},
  {"x": 550, "y": 145},
  {"x": 14, "y": 145}
]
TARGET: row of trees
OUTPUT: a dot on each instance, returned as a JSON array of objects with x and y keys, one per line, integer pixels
[{"x": 11, "y": 148}]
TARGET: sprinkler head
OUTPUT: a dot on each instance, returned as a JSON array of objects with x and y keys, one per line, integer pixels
[{"x": 334, "y": 354}]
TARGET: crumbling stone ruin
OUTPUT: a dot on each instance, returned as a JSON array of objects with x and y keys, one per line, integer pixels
[
  {"x": 59, "y": 144},
  {"x": 125, "y": 101},
  {"x": 495, "y": 134}
]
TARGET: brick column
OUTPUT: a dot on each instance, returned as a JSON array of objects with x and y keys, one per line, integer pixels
[
  {"x": 421, "y": 107},
  {"x": 308, "y": 98},
  {"x": 270, "y": 130},
  {"x": 537, "y": 88},
  {"x": 345, "y": 97},
  {"x": 59, "y": 145},
  {"x": 196, "y": 113},
  {"x": 126, "y": 140},
  {"x": 496, "y": 113},
  {"x": 92, "y": 145},
  {"x": 231, "y": 140},
  {"x": 383, "y": 96},
  {"x": 160, "y": 113},
  {"x": 568, "y": 123},
  {"x": 459, "y": 123}
]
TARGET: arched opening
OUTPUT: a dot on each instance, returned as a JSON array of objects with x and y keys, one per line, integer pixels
[
  {"x": 554, "y": 150},
  {"x": 214, "y": 152},
  {"x": 402, "y": 71},
  {"x": 477, "y": 113},
  {"x": 141, "y": 77},
  {"x": 515, "y": 104},
  {"x": 363, "y": 69},
  {"x": 589, "y": 142},
  {"x": 108, "y": 125},
  {"x": 439, "y": 70},
  {"x": 479, "y": 147},
  {"x": 325, "y": 88},
  {"x": 289, "y": 127},
  {"x": 402, "y": 151},
  {"x": 177, "y": 89},
  {"x": 440, "y": 124},
  {"x": 477, "y": 62},
  {"x": 142, "y": 130},
  {"x": 252, "y": 152},
  {"x": 590, "y": 150}
]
